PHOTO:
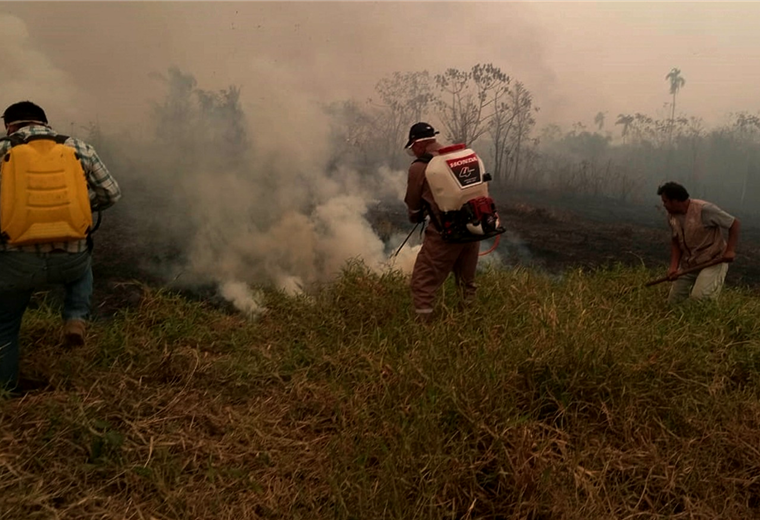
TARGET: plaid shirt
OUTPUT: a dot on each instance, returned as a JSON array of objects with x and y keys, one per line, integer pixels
[{"x": 102, "y": 188}]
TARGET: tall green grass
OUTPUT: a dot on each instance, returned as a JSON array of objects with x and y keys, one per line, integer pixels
[{"x": 574, "y": 397}]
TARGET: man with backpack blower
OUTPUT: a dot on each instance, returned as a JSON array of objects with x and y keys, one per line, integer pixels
[
  {"x": 49, "y": 186},
  {"x": 452, "y": 177}
]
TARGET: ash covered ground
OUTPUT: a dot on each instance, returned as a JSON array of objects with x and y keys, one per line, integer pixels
[{"x": 549, "y": 233}]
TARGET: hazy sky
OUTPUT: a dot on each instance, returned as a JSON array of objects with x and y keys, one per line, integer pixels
[
  {"x": 93, "y": 60},
  {"x": 99, "y": 61}
]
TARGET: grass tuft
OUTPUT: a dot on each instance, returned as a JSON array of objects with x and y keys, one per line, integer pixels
[{"x": 575, "y": 397}]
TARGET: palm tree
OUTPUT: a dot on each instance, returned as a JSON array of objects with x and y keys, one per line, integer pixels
[
  {"x": 676, "y": 82},
  {"x": 599, "y": 120},
  {"x": 625, "y": 120}
]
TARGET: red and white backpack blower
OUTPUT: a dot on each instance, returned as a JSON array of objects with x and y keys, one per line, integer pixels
[{"x": 459, "y": 184}]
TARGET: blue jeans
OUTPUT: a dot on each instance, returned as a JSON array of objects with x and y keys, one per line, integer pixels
[{"x": 22, "y": 273}]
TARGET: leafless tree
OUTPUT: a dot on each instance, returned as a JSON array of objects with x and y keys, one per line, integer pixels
[
  {"x": 468, "y": 100},
  {"x": 402, "y": 100},
  {"x": 522, "y": 107}
]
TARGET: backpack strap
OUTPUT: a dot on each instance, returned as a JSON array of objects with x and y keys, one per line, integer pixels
[
  {"x": 433, "y": 219},
  {"x": 60, "y": 139},
  {"x": 16, "y": 139},
  {"x": 424, "y": 158}
]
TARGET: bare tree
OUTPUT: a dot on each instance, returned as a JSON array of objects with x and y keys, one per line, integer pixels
[
  {"x": 747, "y": 126},
  {"x": 500, "y": 129},
  {"x": 469, "y": 105},
  {"x": 193, "y": 118},
  {"x": 403, "y": 99},
  {"x": 694, "y": 136},
  {"x": 468, "y": 100},
  {"x": 351, "y": 135},
  {"x": 522, "y": 106}
]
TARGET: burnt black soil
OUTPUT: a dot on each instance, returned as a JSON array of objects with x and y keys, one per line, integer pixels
[
  {"x": 566, "y": 232},
  {"x": 551, "y": 233}
]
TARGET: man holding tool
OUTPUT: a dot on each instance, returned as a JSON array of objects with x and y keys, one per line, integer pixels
[
  {"x": 437, "y": 257},
  {"x": 700, "y": 253}
]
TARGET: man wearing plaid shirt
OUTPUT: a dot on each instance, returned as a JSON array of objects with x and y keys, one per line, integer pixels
[{"x": 26, "y": 268}]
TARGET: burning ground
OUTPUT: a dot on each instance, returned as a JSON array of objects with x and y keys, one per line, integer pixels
[{"x": 544, "y": 232}]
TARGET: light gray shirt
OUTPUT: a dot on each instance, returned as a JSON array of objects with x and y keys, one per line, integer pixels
[{"x": 712, "y": 216}]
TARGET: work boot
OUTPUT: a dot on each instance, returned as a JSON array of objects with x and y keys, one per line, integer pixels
[
  {"x": 73, "y": 333},
  {"x": 28, "y": 385},
  {"x": 425, "y": 318}
]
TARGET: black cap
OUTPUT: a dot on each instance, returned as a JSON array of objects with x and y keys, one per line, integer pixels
[
  {"x": 24, "y": 112},
  {"x": 420, "y": 131}
]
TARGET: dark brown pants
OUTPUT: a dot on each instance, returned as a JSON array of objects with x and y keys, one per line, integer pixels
[{"x": 435, "y": 261}]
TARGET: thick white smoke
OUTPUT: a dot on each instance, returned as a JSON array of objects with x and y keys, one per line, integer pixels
[
  {"x": 288, "y": 213},
  {"x": 277, "y": 220},
  {"x": 26, "y": 73},
  {"x": 240, "y": 295}
]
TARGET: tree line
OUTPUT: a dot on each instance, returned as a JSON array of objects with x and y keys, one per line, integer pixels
[
  {"x": 480, "y": 106},
  {"x": 493, "y": 113}
]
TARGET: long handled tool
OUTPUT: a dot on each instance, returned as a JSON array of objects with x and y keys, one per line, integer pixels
[
  {"x": 685, "y": 271},
  {"x": 404, "y": 242}
]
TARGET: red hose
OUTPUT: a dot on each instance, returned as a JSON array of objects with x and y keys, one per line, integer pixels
[{"x": 495, "y": 243}]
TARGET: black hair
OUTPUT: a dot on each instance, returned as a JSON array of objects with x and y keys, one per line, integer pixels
[
  {"x": 24, "y": 111},
  {"x": 673, "y": 191}
]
